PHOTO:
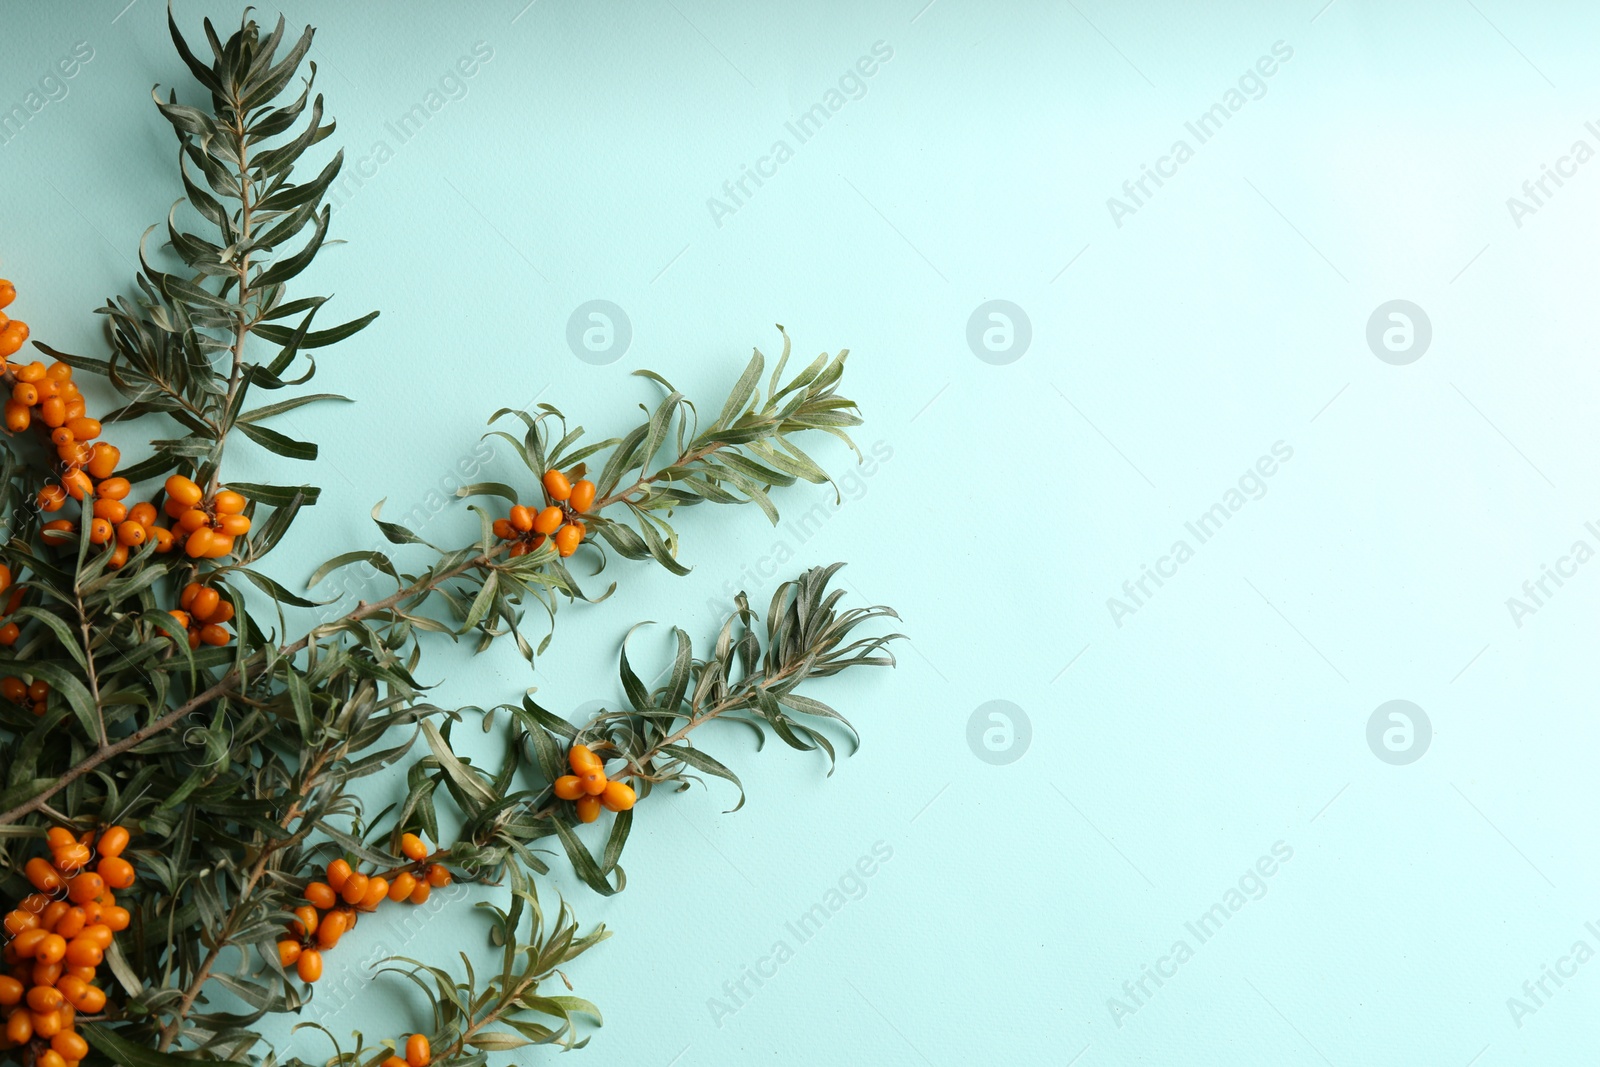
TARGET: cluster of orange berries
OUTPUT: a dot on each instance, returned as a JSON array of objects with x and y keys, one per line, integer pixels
[
  {"x": 209, "y": 526},
  {"x": 332, "y": 907},
  {"x": 565, "y": 501},
  {"x": 418, "y": 1053},
  {"x": 13, "y": 332},
  {"x": 202, "y": 611},
  {"x": 31, "y": 695},
  {"x": 589, "y": 787},
  {"x": 9, "y": 632},
  {"x": 59, "y": 936}
]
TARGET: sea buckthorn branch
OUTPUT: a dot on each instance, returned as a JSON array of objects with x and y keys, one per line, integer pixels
[
  {"x": 746, "y": 679},
  {"x": 746, "y": 451},
  {"x": 125, "y": 699}
]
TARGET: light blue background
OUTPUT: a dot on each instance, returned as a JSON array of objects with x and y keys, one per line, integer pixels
[{"x": 1229, "y": 313}]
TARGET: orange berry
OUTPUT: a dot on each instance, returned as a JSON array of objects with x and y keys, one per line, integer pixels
[
  {"x": 81, "y": 953},
  {"x": 130, "y": 534},
  {"x": 377, "y": 890},
  {"x": 19, "y": 1027},
  {"x": 214, "y": 635},
  {"x": 332, "y": 929},
  {"x": 181, "y": 489},
  {"x": 233, "y": 525},
  {"x": 9, "y": 634},
  {"x": 39, "y": 689},
  {"x": 520, "y": 548},
  {"x": 549, "y": 520},
  {"x": 84, "y": 429},
  {"x": 306, "y": 919},
  {"x": 46, "y": 1024},
  {"x": 588, "y": 809},
  {"x": 557, "y": 485},
  {"x": 75, "y": 454},
  {"x": 18, "y": 415},
  {"x": 117, "y": 872},
  {"x": 92, "y": 1001},
  {"x": 52, "y": 948},
  {"x": 521, "y": 519},
  {"x": 14, "y": 689},
  {"x": 321, "y": 895},
  {"x": 402, "y": 887},
  {"x": 113, "y": 841},
  {"x": 12, "y": 338},
  {"x": 24, "y": 393},
  {"x": 8, "y": 293},
  {"x": 98, "y": 934},
  {"x": 227, "y": 502},
  {"x": 59, "y": 372},
  {"x": 116, "y": 488},
  {"x": 438, "y": 875},
  {"x": 394, "y": 1061},
  {"x": 193, "y": 519},
  {"x": 19, "y": 922},
  {"x": 355, "y": 888},
  {"x": 203, "y": 603},
  {"x": 113, "y": 511},
  {"x": 421, "y": 894},
  {"x": 69, "y": 858},
  {"x": 99, "y": 531},
  {"x": 338, "y": 872},
  {"x": 418, "y": 1054},
  {"x": 618, "y": 796},
  {"x": 220, "y": 546},
  {"x": 567, "y": 539},
  {"x": 77, "y": 483},
  {"x": 115, "y": 918},
  {"x": 41, "y": 873},
  {"x": 568, "y": 787},
  {"x": 162, "y": 537},
  {"x": 54, "y": 912},
  {"x": 27, "y": 942},
  {"x": 106, "y": 456},
  {"x": 69, "y": 1045},
  {"x": 309, "y": 966},
  {"x": 199, "y": 543},
  {"x": 56, "y": 532},
  {"x": 32, "y": 372},
  {"x": 45, "y": 998},
  {"x": 85, "y": 887},
  {"x": 10, "y": 991},
  {"x": 594, "y": 782},
  {"x": 288, "y": 952},
  {"x": 582, "y": 498},
  {"x": 53, "y": 411},
  {"x": 223, "y": 613},
  {"x": 582, "y": 759},
  {"x": 143, "y": 513},
  {"x": 413, "y": 847},
  {"x": 502, "y": 529}
]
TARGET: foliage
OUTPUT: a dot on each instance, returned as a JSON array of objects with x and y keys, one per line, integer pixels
[{"x": 237, "y": 766}]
